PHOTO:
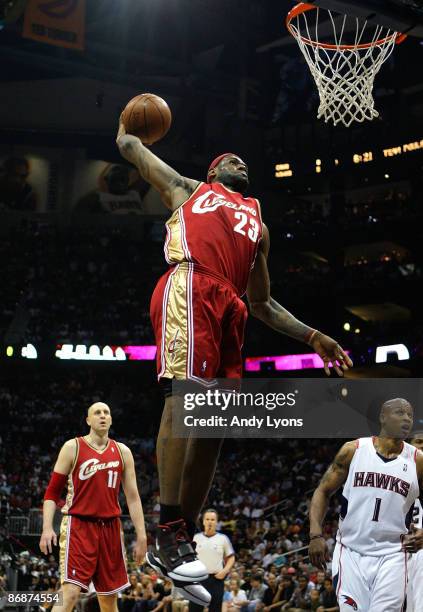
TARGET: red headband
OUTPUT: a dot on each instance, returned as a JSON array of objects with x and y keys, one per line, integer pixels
[{"x": 217, "y": 161}]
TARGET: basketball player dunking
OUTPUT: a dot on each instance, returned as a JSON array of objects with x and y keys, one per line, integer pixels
[
  {"x": 217, "y": 248},
  {"x": 415, "y": 563},
  {"x": 381, "y": 479},
  {"x": 91, "y": 538}
]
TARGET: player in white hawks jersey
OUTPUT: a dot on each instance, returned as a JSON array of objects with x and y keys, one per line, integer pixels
[
  {"x": 415, "y": 563},
  {"x": 381, "y": 478}
]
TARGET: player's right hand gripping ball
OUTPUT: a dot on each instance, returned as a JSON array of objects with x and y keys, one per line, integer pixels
[{"x": 147, "y": 116}]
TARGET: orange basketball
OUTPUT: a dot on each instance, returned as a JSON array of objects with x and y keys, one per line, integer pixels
[{"x": 148, "y": 117}]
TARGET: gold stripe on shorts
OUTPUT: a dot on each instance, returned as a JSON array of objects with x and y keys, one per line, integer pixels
[
  {"x": 63, "y": 547},
  {"x": 176, "y": 328}
]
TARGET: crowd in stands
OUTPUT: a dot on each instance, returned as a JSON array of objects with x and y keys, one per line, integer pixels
[
  {"x": 85, "y": 285},
  {"x": 79, "y": 285},
  {"x": 357, "y": 212},
  {"x": 53, "y": 407},
  {"x": 261, "y": 491},
  {"x": 55, "y": 411},
  {"x": 393, "y": 204},
  {"x": 285, "y": 587},
  {"x": 94, "y": 285}
]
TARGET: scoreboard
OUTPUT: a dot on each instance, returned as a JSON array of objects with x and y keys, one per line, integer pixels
[{"x": 287, "y": 169}]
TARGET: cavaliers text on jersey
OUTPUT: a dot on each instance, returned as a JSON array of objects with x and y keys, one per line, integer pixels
[
  {"x": 218, "y": 229},
  {"x": 94, "y": 482}
]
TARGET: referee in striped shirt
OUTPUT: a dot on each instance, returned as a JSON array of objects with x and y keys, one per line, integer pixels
[{"x": 215, "y": 551}]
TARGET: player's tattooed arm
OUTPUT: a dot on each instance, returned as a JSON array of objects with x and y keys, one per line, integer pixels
[
  {"x": 268, "y": 310},
  {"x": 334, "y": 478},
  {"x": 174, "y": 189}
]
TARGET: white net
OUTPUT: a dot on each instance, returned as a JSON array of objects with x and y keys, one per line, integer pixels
[{"x": 345, "y": 64}]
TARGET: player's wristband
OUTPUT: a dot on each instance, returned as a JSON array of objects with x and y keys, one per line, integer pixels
[
  {"x": 315, "y": 537},
  {"x": 55, "y": 487},
  {"x": 310, "y": 335}
]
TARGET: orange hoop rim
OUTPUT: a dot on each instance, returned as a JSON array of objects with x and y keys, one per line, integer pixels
[{"x": 303, "y": 7}]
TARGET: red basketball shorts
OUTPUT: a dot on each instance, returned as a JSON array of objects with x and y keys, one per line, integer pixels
[
  {"x": 199, "y": 323},
  {"x": 93, "y": 550}
]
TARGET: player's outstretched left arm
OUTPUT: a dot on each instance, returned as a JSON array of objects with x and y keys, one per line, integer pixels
[
  {"x": 268, "y": 310},
  {"x": 173, "y": 188},
  {"x": 413, "y": 541},
  {"x": 129, "y": 483}
]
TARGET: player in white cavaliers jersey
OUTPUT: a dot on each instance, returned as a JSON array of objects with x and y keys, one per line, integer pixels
[
  {"x": 415, "y": 563},
  {"x": 381, "y": 479}
]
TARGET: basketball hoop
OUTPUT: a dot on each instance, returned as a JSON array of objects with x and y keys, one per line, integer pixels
[{"x": 345, "y": 65}]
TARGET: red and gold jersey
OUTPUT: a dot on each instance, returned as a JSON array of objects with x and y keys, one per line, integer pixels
[
  {"x": 94, "y": 482},
  {"x": 218, "y": 229}
]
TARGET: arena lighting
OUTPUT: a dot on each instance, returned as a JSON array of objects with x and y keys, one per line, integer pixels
[
  {"x": 81, "y": 352},
  {"x": 405, "y": 148},
  {"x": 284, "y": 174},
  {"x": 400, "y": 350},
  {"x": 141, "y": 353},
  {"x": 93, "y": 352},
  {"x": 29, "y": 352},
  {"x": 305, "y": 361},
  {"x": 282, "y": 170},
  {"x": 363, "y": 158}
]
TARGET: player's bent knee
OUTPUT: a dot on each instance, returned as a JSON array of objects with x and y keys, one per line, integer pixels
[{"x": 71, "y": 594}]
